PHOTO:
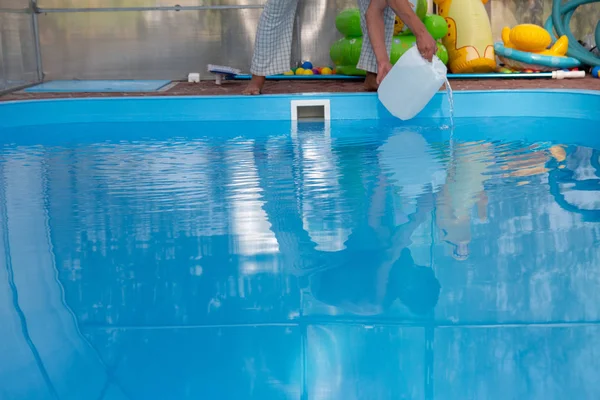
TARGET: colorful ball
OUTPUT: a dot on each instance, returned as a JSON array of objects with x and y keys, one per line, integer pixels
[
  {"x": 596, "y": 72},
  {"x": 290, "y": 72},
  {"x": 307, "y": 65},
  {"x": 299, "y": 71},
  {"x": 316, "y": 71},
  {"x": 326, "y": 71},
  {"x": 308, "y": 72}
]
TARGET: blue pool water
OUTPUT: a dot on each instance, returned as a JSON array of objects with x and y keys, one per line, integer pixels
[{"x": 250, "y": 260}]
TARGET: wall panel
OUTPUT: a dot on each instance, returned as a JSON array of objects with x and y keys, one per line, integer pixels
[
  {"x": 141, "y": 3},
  {"x": 18, "y": 64},
  {"x": 145, "y": 45},
  {"x": 170, "y": 44},
  {"x": 14, "y": 4}
]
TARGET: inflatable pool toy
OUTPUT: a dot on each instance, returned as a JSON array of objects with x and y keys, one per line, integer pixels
[
  {"x": 400, "y": 44},
  {"x": 347, "y": 23},
  {"x": 533, "y": 38},
  {"x": 419, "y": 7},
  {"x": 345, "y": 52},
  {"x": 525, "y": 48},
  {"x": 469, "y": 40}
]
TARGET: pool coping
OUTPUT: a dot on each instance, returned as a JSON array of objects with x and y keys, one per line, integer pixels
[
  {"x": 565, "y": 103},
  {"x": 303, "y": 94},
  {"x": 233, "y": 87}
]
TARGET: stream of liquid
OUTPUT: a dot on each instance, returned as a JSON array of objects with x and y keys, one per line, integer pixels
[{"x": 450, "y": 103}]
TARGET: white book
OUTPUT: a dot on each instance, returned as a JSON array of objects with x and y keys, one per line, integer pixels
[{"x": 221, "y": 69}]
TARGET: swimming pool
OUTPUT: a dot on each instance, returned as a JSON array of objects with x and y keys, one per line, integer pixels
[{"x": 179, "y": 248}]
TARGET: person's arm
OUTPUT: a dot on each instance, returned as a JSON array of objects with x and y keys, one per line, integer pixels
[
  {"x": 376, "y": 29},
  {"x": 425, "y": 42}
]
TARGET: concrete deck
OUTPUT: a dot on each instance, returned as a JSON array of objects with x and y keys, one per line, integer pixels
[{"x": 209, "y": 88}]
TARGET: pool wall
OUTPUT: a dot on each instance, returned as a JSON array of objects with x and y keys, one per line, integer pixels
[{"x": 353, "y": 106}]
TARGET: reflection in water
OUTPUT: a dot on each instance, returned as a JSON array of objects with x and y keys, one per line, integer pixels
[
  {"x": 298, "y": 266},
  {"x": 247, "y": 218},
  {"x": 320, "y": 177},
  {"x": 467, "y": 174}
]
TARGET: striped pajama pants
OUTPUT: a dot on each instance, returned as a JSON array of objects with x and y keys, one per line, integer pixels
[
  {"x": 273, "y": 44},
  {"x": 367, "y": 60}
]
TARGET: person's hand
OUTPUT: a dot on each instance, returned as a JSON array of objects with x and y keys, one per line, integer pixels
[
  {"x": 427, "y": 45},
  {"x": 382, "y": 70}
]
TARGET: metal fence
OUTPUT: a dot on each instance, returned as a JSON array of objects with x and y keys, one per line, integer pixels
[{"x": 167, "y": 39}]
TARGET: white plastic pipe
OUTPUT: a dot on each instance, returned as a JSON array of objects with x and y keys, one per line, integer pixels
[{"x": 567, "y": 74}]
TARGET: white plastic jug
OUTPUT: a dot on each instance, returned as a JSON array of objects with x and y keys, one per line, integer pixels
[{"x": 411, "y": 84}]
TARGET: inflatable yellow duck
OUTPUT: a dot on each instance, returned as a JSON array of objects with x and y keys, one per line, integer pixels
[
  {"x": 469, "y": 40},
  {"x": 534, "y": 39}
]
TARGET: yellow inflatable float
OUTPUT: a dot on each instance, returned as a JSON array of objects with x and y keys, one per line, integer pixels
[
  {"x": 534, "y": 39},
  {"x": 526, "y": 48},
  {"x": 469, "y": 40}
]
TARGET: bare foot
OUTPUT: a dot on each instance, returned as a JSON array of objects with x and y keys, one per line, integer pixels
[
  {"x": 371, "y": 82},
  {"x": 255, "y": 86}
]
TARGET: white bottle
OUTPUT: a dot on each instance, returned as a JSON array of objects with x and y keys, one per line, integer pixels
[{"x": 411, "y": 84}]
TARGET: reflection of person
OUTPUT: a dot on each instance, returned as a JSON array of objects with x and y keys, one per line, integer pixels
[
  {"x": 375, "y": 267},
  {"x": 377, "y": 20},
  {"x": 412, "y": 165},
  {"x": 463, "y": 190},
  {"x": 369, "y": 283}
]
